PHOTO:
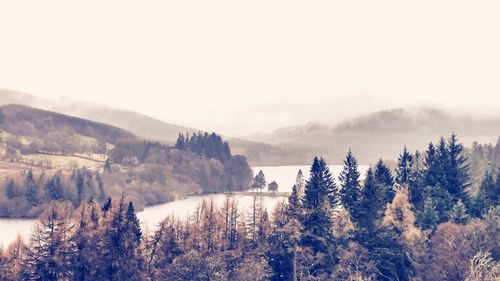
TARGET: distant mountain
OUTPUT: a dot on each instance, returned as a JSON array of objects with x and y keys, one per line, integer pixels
[
  {"x": 381, "y": 134},
  {"x": 140, "y": 125},
  {"x": 148, "y": 127},
  {"x": 31, "y": 130}
]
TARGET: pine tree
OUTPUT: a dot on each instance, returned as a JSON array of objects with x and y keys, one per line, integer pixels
[
  {"x": 459, "y": 214},
  {"x": 441, "y": 199},
  {"x": 180, "y": 144},
  {"x": 300, "y": 184},
  {"x": 122, "y": 258},
  {"x": 54, "y": 189},
  {"x": 384, "y": 179},
  {"x": 417, "y": 184},
  {"x": 404, "y": 169},
  {"x": 432, "y": 171},
  {"x": 442, "y": 164},
  {"x": 317, "y": 222},
  {"x": 488, "y": 195},
  {"x": 11, "y": 190},
  {"x": 429, "y": 217},
  {"x": 349, "y": 182},
  {"x": 259, "y": 181},
  {"x": 31, "y": 189},
  {"x": 370, "y": 207},
  {"x": 80, "y": 188},
  {"x": 457, "y": 173}
]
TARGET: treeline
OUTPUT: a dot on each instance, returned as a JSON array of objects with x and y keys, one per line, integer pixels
[
  {"x": 148, "y": 172},
  {"x": 222, "y": 172},
  {"x": 483, "y": 158},
  {"x": 27, "y": 194},
  {"x": 381, "y": 228},
  {"x": 208, "y": 145}
]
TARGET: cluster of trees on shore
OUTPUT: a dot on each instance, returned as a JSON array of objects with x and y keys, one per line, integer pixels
[
  {"x": 259, "y": 183},
  {"x": 203, "y": 159},
  {"x": 420, "y": 223},
  {"x": 148, "y": 172},
  {"x": 27, "y": 194}
]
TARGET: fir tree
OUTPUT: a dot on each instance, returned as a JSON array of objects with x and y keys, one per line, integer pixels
[
  {"x": 54, "y": 189},
  {"x": 259, "y": 181},
  {"x": 428, "y": 218},
  {"x": 31, "y": 189},
  {"x": 416, "y": 186},
  {"x": 488, "y": 195},
  {"x": 300, "y": 184},
  {"x": 384, "y": 179},
  {"x": 349, "y": 182},
  {"x": 80, "y": 188},
  {"x": 404, "y": 169},
  {"x": 370, "y": 207},
  {"x": 11, "y": 190},
  {"x": 432, "y": 170},
  {"x": 457, "y": 173},
  {"x": 442, "y": 164},
  {"x": 317, "y": 222},
  {"x": 459, "y": 214}
]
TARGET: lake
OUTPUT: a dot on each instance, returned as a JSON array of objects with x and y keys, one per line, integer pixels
[{"x": 151, "y": 216}]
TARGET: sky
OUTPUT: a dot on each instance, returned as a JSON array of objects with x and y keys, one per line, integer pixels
[{"x": 252, "y": 66}]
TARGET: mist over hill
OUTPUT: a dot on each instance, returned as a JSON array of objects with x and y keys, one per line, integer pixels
[
  {"x": 147, "y": 127},
  {"x": 382, "y": 134},
  {"x": 370, "y": 136}
]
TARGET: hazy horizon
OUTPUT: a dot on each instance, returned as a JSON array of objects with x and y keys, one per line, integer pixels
[{"x": 241, "y": 68}]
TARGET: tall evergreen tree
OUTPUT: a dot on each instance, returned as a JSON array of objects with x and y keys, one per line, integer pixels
[
  {"x": 317, "y": 221},
  {"x": 442, "y": 164},
  {"x": 349, "y": 182},
  {"x": 404, "y": 169},
  {"x": 457, "y": 173},
  {"x": 488, "y": 195},
  {"x": 80, "y": 188},
  {"x": 11, "y": 190},
  {"x": 371, "y": 206},
  {"x": 384, "y": 179},
  {"x": 259, "y": 181},
  {"x": 432, "y": 168},
  {"x": 428, "y": 218},
  {"x": 32, "y": 195},
  {"x": 300, "y": 184},
  {"x": 54, "y": 189},
  {"x": 417, "y": 184}
]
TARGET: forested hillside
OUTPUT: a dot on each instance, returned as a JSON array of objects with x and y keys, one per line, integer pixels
[
  {"x": 49, "y": 156},
  {"x": 31, "y": 130},
  {"x": 419, "y": 222}
]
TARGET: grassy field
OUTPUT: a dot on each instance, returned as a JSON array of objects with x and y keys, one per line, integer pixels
[{"x": 61, "y": 161}]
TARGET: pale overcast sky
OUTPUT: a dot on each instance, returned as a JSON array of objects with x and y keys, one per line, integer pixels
[{"x": 246, "y": 66}]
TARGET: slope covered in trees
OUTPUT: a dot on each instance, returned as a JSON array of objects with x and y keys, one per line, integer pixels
[
  {"x": 322, "y": 233},
  {"x": 41, "y": 152}
]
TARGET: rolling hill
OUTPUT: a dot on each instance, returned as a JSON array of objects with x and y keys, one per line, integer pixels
[
  {"x": 257, "y": 153},
  {"x": 381, "y": 134}
]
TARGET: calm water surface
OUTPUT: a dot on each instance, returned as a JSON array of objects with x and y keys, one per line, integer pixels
[{"x": 151, "y": 216}]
